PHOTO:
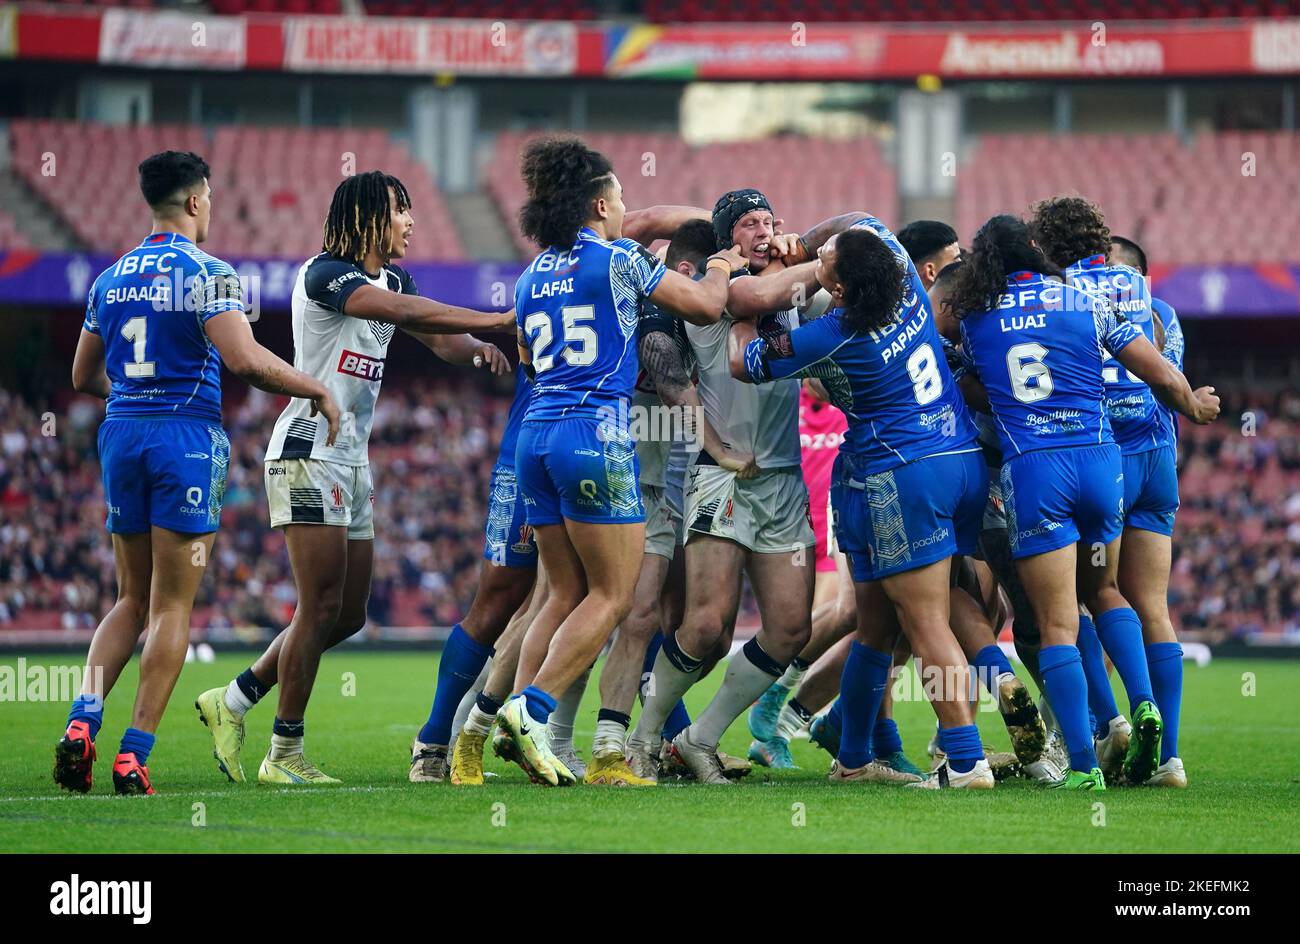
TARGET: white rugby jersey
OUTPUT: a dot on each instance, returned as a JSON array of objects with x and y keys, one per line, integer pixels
[
  {"x": 762, "y": 419},
  {"x": 345, "y": 354}
]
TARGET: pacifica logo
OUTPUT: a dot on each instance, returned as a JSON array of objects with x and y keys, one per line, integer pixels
[{"x": 76, "y": 897}]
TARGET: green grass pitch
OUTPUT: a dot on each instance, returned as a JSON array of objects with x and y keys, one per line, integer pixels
[{"x": 1241, "y": 751}]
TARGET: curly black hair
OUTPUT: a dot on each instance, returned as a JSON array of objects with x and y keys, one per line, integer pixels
[
  {"x": 873, "y": 278},
  {"x": 1002, "y": 246},
  {"x": 1068, "y": 229},
  {"x": 563, "y": 177}
]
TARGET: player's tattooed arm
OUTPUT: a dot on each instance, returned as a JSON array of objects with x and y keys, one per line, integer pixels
[
  {"x": 814, "y": 238},
  {"x": 88, "y": 373},
  {"x": 230, "y": 333},
  {"x": 662, "y": 360},
  {"x": 659, "y": 222},
  {"x": 464, "y": 350},
  {"x": 419, "y": 314}
]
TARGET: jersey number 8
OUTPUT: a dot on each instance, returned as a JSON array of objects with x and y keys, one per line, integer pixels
[
  {"x": 581, "y": 341},
  {"x": 927, "y": 384}
]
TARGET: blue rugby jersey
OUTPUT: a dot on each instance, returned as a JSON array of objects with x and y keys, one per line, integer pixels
[
  {"x": 1136, "y": 418},
  {"x": 1040, "y": 355},
  {"x": 1173, "y": 349},
  {"x": 150, "y": 308},
  {"x": 578, "y": 308},
  {"x": 893, "y": 384}
]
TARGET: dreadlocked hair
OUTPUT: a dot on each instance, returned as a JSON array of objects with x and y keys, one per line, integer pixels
[
  {"x": 1002, "y": 246},
  {"x": 1069, "y": 229},
  {"x": 873, "y": 278},
  {"x": 360, "y": 218},
  {"x": 563, "y": 177}
]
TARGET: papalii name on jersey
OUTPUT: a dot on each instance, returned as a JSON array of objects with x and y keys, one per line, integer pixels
[{"x": 359, "y": 365}]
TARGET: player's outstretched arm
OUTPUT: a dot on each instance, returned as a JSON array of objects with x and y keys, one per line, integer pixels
[
  {"x": 702, "y": 302},
  {"x": 1167, "y": 382},
  {"x": 751, "y": 296},
  {"x": 662, "y": 360},
  {"x": 265, "y": 370},
  {"x": 424, "y": 315},
  {"x": 464, "y": 350},
  {"x": 88, "y": 374},
  {"x": 659, "y": 222}
]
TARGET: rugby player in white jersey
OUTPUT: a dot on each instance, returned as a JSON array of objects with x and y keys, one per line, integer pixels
[
  {"x": 664, "y": 381},
  {"x": 759, "y": 526},
  {"x": 347, "y": 303}
]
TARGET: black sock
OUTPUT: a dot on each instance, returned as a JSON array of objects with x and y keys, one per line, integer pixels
[{"x": 251, "y": 686}]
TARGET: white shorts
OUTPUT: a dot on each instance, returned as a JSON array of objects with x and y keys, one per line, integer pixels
[
  {"x": 767, "y": 514},
  {"x": 662, "y": 523},
  {"x": 313, "y": 491}
]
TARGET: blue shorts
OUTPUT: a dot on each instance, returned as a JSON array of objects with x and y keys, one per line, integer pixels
[
  {"x": 1151, "y": 490},
  {"x": 909, "y": 517},
  {"x": 582, "y": 469},
  {"x": 1057, "y": 497},
  {"x": 508, "y": 539},
  {"x": 165, "y": 472}
]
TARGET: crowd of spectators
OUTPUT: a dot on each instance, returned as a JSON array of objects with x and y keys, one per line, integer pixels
[{"x": 1236, "y": 572}]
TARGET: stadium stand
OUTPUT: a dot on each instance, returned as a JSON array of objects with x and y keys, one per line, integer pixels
[
  {"x": 1151, "y": 187},
  {"x": 1236, "y": 569},
  {"x": 272, "y": 184},
  {"x": 662, "y": 168}
]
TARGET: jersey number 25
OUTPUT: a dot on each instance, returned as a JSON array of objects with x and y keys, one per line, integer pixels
[{"x": 581, "y": 340}]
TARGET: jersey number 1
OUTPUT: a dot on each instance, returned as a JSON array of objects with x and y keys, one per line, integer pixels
[{"x": 135, "y": 330}]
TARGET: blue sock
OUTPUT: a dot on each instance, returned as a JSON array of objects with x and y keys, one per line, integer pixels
[
  {"x": 1120, "y": 632},
  {"x": 963, "y": 747},
  {"x": 90, "y": 709},
  {"x": 989, "y": 663},
  {"x": 1101, "y": 697},
  {"x": 137, "y": 742},
  {"x": 1095, "y": 725},
  {"x": 539, "y": 704},
  {"x": 884, "y": 737},
  {"x": 1165, "y": 661},
  {"x": 862, "y": 689},
  {"x": 462, "y": 660},
  {"x": 679, "y": 719},
  {"x": 835, "y": 718},
  {"x": 1067, "y": 689}
]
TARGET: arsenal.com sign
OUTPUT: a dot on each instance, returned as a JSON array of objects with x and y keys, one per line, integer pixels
[
  {"x": 383, "y": 44},
  {"x": 1068, "y": 53}
]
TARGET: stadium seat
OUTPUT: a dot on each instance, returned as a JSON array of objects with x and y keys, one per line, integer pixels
[{"x": 271, "y": 186}]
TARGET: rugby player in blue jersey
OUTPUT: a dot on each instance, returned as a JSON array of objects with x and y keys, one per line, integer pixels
[
  {"x": 159, "y": 325},
  {"x": 1149, "y": 591},
  {"x": 1072, "y": 233},
  {"x": 578, "y": 305},
  {"x": 908, "y": 490},
  {"x": 1039, "y": 348},
  {"x": 348, "y": 302}
]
